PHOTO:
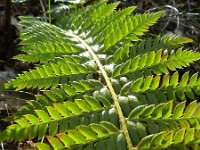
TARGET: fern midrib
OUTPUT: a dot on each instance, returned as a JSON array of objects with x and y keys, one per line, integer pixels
[{"x": 109, "y": 85}]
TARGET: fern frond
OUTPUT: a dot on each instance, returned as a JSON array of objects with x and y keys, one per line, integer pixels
[
  {"x": 129, "y": 24},
  {"x": 100, "y": 25},
  {"x": 143, "y": 139},
  {"x": 94, "y": 69},
  {"x": 71, "y": 89},
  {"x": 130, "y": 27},
  {"x": 30, "y": 35},
  {"x": 129, "y": 50},
  {"x": 168, "y": 42},
  {"x": 171, "y": 140},
  {"x": 152, "y": 120},
  {"x": 157, "y": 62},
  {"x": 55, "y": 72},
  {"x": 86, "y": 17},
  {"x": 167, "y": 113},
  {"x": 181, "y": 88},
  {"x": 82, "y": 135},
  {"x": 46, "y": 51},
  {"x": 51, "y": 118},
  {"x": 51, "y": 98}
]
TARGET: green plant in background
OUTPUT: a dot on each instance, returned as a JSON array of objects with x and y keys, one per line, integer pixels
[{"x": 102, "y": 87}]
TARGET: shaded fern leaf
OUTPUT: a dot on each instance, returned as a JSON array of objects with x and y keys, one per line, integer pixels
[
  {"x": 171, "y": 140},
  {"x": 71, "y": 89},
  {"x": 83, "y": 134},
  {"x": 93, "y": 103},
  {"x": 55, "y": 119},
  {"x": 165, "y": 112},
  {"x": 175, "y": 87}
]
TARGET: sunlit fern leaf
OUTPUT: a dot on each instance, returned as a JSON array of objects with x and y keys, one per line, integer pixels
[
  {"x": 54, "y": 72},
  {"x": 87, "y": 16},
  {"x": 30, "y": 35},
  {"x": 127, "y": 24},
  {"x": 109, "y": 19},
  {"x": 129, "y": 27},
  {"x": 168, "y": 42},
  {"x": 156, "y": 62},
  {"x": 95, "y": 68},
  {"x": 46, "y": 51}
]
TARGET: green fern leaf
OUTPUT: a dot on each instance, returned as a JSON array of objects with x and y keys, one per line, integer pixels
[
  {"x": 102, "y": 87},
  {"x": 168, "y": 42},
  {"x": 161, "y": 62},
  {"x": 168, "y": 139},
  {"x": 61, "y": 69}
]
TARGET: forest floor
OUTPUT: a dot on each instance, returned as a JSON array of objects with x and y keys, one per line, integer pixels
[{"x": 182, "y": 18}]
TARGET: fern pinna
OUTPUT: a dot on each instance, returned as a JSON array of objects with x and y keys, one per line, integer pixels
[{"x": 102, "y": 87}]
